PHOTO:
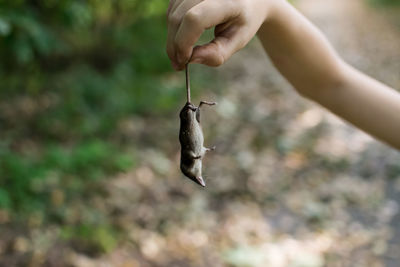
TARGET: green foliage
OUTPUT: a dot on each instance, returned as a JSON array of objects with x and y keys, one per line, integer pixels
[
  {"x": 98, "y": 62},
  {"x": 26, "y": 183},
  {"x": 96, "y": 238},
  {"x": 72, "y": 72},
  {"x": 385, "y": 2}
]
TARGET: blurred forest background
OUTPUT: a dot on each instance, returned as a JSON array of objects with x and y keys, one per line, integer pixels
[{"x": 89, "y": 151}]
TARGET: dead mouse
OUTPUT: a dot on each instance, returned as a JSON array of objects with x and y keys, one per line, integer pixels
[{"x": 192, "y": 140}]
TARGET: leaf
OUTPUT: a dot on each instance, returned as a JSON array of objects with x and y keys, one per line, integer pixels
[{"x": 5, "y": 27}]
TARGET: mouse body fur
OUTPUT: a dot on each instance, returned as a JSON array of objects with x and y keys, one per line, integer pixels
[{"x": 192, "y": 142}]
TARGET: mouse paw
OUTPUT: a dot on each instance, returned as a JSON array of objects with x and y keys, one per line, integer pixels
[{"x": 210, "y": 149}]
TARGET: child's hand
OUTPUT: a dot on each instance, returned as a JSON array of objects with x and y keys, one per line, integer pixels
[{"x": 235, "y": 21}]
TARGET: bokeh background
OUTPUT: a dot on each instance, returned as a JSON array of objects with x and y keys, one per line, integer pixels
[{"x": 89, "y": 151}]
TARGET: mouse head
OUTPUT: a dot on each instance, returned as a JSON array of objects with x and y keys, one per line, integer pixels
[
  {"x": 193, "y": 173},
  {"x": 188, "y": 112}
]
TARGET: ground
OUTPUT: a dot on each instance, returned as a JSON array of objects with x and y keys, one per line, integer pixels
[{"x": 289, "y": 184}]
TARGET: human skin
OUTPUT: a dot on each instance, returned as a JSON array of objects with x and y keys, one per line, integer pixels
[{"x": 296, "y": 47}]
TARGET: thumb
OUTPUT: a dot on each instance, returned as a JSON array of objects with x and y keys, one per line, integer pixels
[{"x": 219, "y": 50}]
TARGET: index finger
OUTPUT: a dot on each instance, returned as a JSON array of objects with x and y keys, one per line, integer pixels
[{"x": 205, "y": 15}]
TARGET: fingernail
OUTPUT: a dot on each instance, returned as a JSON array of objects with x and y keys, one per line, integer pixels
[
  {"x": 180, "y": 59},
  {"x": 197, "y": 60}
]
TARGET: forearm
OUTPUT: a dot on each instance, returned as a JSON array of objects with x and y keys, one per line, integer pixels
[
  {"x": 303, "y": 55},
  {"x": 366, "y": 103}
]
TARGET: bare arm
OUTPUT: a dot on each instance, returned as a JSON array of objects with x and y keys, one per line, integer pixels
[
  {"x": 299, "y": 51},
  {"x": 303, "y": 55}
]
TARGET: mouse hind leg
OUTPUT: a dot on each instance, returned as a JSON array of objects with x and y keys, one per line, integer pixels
[
  {"x": 203, "y": 103},
  {"x": 191, "y": 155},
  {"x": 207, "y": 103},
  {"x": 206, "y": 149}
]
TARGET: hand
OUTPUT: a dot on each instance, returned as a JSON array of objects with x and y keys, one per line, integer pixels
[{"x": 235, "y": 22}]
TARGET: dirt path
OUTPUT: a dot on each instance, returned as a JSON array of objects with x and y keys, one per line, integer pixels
[
  {"x": 368, "y": 40},
  {"x": 363, "y": 35}
]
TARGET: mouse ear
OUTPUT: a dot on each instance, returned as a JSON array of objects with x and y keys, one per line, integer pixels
[
  {"x": 201, "y": 180},
  {"x": 198, "y": 115}
]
